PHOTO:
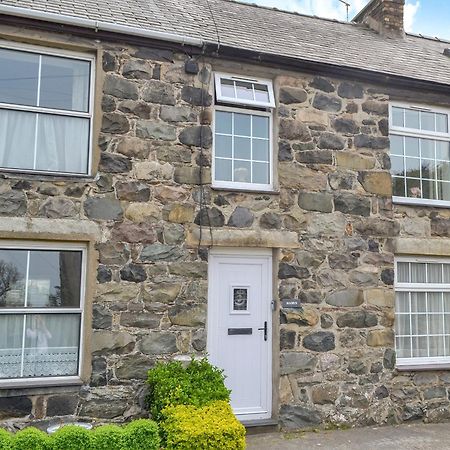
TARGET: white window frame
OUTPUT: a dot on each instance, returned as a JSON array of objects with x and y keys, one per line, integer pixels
[
  {"x": 420, "y": 363},
  {"x": 412, "y": 132},
  {"x": 59, "y": 380},
  {"x": 8, "y": 45},
  {"x": 235, "y": 185},
  {"x": 246, "y": 102}
]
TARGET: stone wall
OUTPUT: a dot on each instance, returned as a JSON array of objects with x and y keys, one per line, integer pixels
[{"x": 150, "y": 303}]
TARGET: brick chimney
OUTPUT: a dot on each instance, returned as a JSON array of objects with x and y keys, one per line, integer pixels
[{"x": 384, "y": 16}]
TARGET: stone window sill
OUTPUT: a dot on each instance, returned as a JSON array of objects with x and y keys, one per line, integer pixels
[
  {"x": 33, "y": 387},
  {"x": 42, "y": 176},
  {"x": 422, "y": 367},
  {"x": 247, "y": 191},
  {"x": 420, "y": 202}
]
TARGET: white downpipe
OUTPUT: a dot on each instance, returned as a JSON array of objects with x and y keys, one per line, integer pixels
[{"x": 98, "y": 25}]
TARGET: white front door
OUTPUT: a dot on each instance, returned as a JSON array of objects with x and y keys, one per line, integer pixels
[{"x": 240, "y": 327}]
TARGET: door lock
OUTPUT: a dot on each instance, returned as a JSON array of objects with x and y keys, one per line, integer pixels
[{"x": 265, "y": 330}]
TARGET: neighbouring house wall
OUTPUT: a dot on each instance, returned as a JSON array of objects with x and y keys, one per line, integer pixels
[{"x": 331, "y": 217}]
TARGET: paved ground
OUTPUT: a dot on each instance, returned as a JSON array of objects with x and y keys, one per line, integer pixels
[{"x": 402, "y": 437}]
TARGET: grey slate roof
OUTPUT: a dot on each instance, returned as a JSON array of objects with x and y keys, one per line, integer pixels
[{"x": 251, "y": 27}]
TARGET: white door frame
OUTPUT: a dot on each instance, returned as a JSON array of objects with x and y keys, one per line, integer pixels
[{"x": 247, "y": 253}]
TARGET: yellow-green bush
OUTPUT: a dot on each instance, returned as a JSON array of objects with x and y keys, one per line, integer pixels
[
  {"x": 141, "y": 434},
  {"x": 212, "y": 427},
  {"x": 108, "y": 437},
  {"x": 71, "y": 437},
  {"x": 197, "y": 384},
  {"x": 31, "y": 439},
  {"x": 5, "y": 440}
]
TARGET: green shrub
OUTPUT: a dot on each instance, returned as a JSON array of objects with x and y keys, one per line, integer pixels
[
  {"x": 5, "y": 440},
  {"x": 31, "y": 439},
  {"x": 108, "y": 437},
  {"x": 71, "y": 437},
  {"x": 213, "y": 427},
  {"x": 142, "y": 434},
  {"x": 171, "y": 384}
]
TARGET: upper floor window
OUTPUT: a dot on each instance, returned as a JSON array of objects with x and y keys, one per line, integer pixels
[
  {"x": 45, "y": 110},
  {"x": 422, "y": 311},
  {"x": 243, "y": 136},
  {"x": 41, "y": 310},
  {"x": 420, "y": 154}
]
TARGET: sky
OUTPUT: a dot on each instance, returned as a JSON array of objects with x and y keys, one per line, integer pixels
[{"x": 427, "y": 17}]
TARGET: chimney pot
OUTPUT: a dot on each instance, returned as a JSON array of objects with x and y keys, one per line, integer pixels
[{"x": 384, "y": 16}]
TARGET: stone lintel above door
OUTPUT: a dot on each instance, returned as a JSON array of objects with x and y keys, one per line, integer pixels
[{"x": 242, "y": 238}]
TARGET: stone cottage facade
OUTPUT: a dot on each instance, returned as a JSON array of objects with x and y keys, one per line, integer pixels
[{"x": 125, "y": 255}]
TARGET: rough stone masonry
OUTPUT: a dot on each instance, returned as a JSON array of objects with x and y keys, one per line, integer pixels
[{"x": 337, "y": 354}]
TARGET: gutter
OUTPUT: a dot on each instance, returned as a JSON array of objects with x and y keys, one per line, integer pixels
[{"x": 98, "y": 25}]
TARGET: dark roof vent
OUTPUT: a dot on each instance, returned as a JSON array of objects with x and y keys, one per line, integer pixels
[{"x": 447, "y": 51}]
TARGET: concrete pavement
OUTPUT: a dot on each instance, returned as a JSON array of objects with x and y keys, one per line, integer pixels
[{"x": 401, "y": 437}]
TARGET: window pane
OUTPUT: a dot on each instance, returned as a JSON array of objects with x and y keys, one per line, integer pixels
[
  {"x": 17, "y": 136},
  {"x": 51, "y": 345},
  {"x": 397, "y": 165},
  {"x": 443, "y": 171},
  {"x": 436, "y": 344},
  {"x": 64, "y": 83},
  {"x": 411, "y": 119},
  {"x": 261, "y": 93},
  {"x": 403, "y": 272},
  {"x": 223, "y": 169},
  {"x": 244, "y": 90},
  {"x": 412, "y": 166},
  {"x": 260, "y": 173},
  {"x": 434, "y": 302},
  {"x": 11, "y": 339},
  {"x": 418, "y": 273},
  {"x": 427, "y": 121},
  {"x": 435, "y": 323},
  {"x": 398, "y": 186},
  {"x": 418, "y": 302},
  {"x": 242, "y": 171},
  {"x": 403, "y": 347},
  {"x": 429, "y": 189},
  {"x": 428, "y": 168},
  {"x": 443, "y": 150},
  {"x": 413, "y": 188},
  {"x": 443, "y": 191},
  {"x": 402, "y": 302},
  {"x": 242, "y": 124},
  {"x": 420, "y": 346},
  {"x": 242, "y": 148},
  {"x": 434, "y": 273},
  {"x": 427, "y": 148},
  {"x": 447, "y": 327},
  {"x": 54, "y": 279},
  {"x": 397, "y": 117},
  {"x": 18, "y": 77},
  {"x": 402, "y": 324},
  {"x": 223, "y": 146},
  {"x": 396, "y": 145},
  {"x": 260, "y": 126},
  {"x": 446, "y": 296},
  {"x": 227, "y": 87},
  {"x": 223, "y": 122},
  {"x": 260, "y": 150},
  {"x": 13, "y": 269},
  {"x": 411, "y": 146},
  {"x": 442, "y": 123},
  {"x": 63, "y": 144}
]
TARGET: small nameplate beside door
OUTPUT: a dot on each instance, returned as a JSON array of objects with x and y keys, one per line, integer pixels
[
  {"x": 291, "y": 303},
  {"x": 235, "y": 331}
]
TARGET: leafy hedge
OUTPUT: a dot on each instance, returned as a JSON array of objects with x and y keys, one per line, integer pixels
[
  {"x": 141, "y": 434},
  {"x": 171, "y": 384},
  {"x": 213, "y": 427}
]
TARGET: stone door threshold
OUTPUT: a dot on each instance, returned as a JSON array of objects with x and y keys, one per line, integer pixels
[{"x": 260, "y": 426}]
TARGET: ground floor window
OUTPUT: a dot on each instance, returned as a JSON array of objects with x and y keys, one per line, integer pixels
[
  {"x": 422, "y": 315},
  {"x": 41, "y": 310}
]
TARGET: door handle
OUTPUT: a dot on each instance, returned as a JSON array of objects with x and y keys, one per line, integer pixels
[{"x": 265, "y": 330}]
